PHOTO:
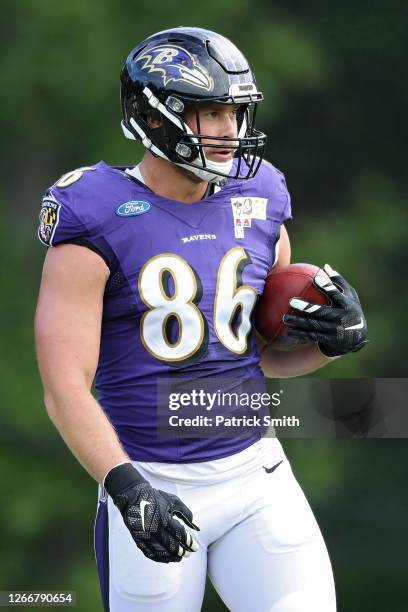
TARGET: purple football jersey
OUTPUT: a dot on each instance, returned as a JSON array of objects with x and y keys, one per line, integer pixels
[{"x": 183, "y": 283}]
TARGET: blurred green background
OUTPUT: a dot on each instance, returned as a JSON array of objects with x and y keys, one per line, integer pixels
[{"x": 334, "y": 78}]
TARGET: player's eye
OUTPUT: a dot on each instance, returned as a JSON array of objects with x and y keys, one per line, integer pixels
[{"x": 216, "y": 114}]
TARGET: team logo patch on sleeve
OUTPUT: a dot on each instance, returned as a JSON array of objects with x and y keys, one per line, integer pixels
[{"x": 49, "y": 217}]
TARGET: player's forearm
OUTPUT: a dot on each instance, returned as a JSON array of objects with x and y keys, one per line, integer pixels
[
  {"x": 86, "y": 430},
  {"x": 280, "y": 364}
]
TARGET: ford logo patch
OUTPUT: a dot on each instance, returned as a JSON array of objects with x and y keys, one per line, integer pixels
[{"x": 132, "y": 208}]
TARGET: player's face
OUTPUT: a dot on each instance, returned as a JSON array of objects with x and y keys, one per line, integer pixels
[{"x": 219, "y": 120}]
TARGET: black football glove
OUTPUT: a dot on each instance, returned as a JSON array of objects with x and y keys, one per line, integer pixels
[
  {"x": 338, "y": 329},
  {"x": 149, "y": 513}
]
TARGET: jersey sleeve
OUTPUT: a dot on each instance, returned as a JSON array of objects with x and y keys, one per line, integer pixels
[
  {"x": 287, "y": 203},
  {"x": 272, "y": 182},
  {"x": 67, "y": 217},
  {"x": 57, "y": 221}
]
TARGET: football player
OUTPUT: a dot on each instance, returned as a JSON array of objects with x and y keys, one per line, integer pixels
[{"x": 154, "y": 272}]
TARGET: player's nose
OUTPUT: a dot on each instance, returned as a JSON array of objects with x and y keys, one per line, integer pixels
[{"x": 229, "y": 127}]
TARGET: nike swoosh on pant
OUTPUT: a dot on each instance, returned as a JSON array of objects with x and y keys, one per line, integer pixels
[
  {"x": 358, "y": 326},
  {"x": 273, "y": 468}
]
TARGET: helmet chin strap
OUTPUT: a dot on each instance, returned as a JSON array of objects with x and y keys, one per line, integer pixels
[{"x": 203, "y": 173}]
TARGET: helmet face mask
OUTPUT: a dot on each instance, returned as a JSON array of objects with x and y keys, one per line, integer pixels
[
  {"x": 245, "y": 147},
  {"x": 178, "y": 71}
]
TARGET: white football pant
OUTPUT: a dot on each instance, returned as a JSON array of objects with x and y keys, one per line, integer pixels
[{"x": 259, "y": 541}]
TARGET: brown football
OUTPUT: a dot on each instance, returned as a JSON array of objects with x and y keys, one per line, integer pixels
[{"x": 295, "y": 280}]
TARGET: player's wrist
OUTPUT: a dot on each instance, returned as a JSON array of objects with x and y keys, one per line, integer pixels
[{"x": 122, "y": 477}]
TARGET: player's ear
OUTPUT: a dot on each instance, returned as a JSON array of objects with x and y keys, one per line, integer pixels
[{"x": 153, "y": 120}]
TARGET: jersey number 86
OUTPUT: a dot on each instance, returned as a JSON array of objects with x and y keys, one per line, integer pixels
[{"x": 232, "y": 300}]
